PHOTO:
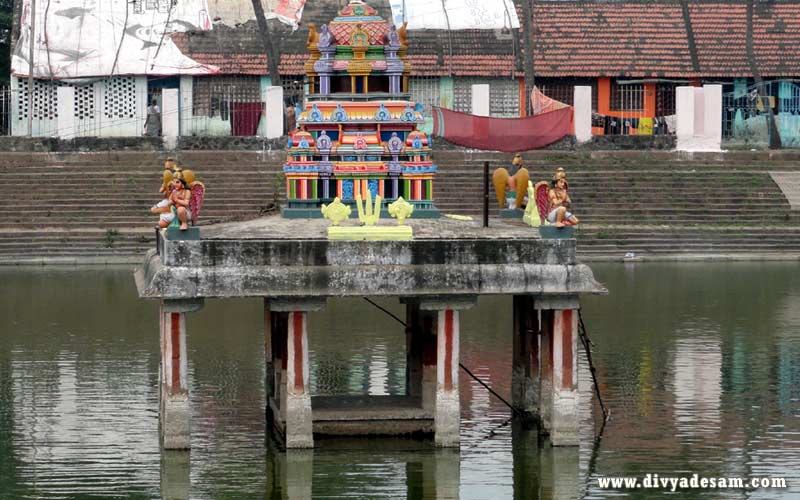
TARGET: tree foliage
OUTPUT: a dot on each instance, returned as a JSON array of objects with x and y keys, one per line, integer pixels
[{"x": 6, "y": 21}]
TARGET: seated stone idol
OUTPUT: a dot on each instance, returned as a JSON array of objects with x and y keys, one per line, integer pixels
[
  {"x": 559, "y": 202},
  {"x": 514, "y": 180},
  {"x": 183, "y": 197}
]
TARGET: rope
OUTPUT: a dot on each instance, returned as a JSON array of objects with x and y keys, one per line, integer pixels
[
  {"x": 587, "y": 345},
  {"x": 514, "y": 410}
]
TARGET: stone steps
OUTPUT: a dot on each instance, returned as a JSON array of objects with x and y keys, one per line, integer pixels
[{"x": 98, "y": 204}]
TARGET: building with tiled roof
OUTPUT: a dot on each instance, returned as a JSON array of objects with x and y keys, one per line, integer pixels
[{"x": 632, "y": 53}]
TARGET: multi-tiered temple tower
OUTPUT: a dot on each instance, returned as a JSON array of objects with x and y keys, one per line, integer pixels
[{"x": 357, "y": 131}]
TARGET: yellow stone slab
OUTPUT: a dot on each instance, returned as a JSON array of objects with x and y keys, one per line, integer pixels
[{"x": 371, "y": 233}]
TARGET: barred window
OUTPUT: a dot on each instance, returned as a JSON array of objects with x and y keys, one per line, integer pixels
[
  {"x": 629, "y": 97},
  {"x": 425, "y": 90},
  {"x": 294, "y": 89},
  {"x": 665, "y": 99},
  {"x": 503, "y": 96},
  {"x": 563, "y": 89},
  {"x": 212, "y": 95}
]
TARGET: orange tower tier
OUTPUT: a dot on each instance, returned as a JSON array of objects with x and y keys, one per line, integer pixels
[{"x": 357, "y": 130}]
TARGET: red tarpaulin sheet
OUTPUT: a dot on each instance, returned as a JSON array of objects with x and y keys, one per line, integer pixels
[
  {"x": 245, "y": 117},
  {"x": 509, "y": 135}
]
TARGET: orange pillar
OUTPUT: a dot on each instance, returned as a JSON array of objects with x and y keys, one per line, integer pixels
[
  {"x": 650, "y": 100},
  {"x": 604, "y": 95}
]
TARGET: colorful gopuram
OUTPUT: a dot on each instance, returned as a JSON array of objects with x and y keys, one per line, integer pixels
[{"x": 357, "y": 130}]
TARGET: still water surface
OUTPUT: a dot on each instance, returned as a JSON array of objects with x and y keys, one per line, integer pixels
[{"x": 699, "y": 363}]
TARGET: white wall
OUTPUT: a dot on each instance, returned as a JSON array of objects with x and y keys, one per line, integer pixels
[
  {"x": 170, "y": 117},
  {"x": 66, "y": 112},
  {"x": 480, "y": 100},
  {"x": 582, "y": 108},
  {"x": 699, "y": 118},
  {"x": 274, "y": 115}
]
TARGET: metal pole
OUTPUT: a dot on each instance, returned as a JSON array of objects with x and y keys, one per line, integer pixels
[
  {"x": 30, "y": 68},
  {"x": 486, "y": 194}
]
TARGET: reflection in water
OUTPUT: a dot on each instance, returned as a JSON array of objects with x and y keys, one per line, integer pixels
[
  {"x": 789, "y": 352},
  {"x": 78, "y": 396},
  {"x": 289, "y": 472},
  {"x": 175, "y": 477},
  {"x": 697, "y": 385},
  {"x": 378, "y": 371}
]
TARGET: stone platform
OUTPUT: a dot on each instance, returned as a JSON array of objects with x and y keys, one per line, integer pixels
[
  {"x": 294, "y": 267},
  {"x": 369, "y": 415},
  {"x": 276, "y": 257}
]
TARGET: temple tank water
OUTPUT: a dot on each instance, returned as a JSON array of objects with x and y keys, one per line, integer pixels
[{"x": 699, "y": 364}]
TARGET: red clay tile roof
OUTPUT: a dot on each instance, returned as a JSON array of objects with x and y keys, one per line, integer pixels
[
  {"x": 720, "y": 31},
  {"x": 238, "y": 50},
  {"x": 609, "y": 39},
  {"x": 577, "y": 38},
  {"x": 633, "y": 39}
]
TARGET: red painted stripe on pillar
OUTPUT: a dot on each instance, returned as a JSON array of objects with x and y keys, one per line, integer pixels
[
  {"x": 175, "y": 332},
  {"x": 297, "y": 323},
  {"x": 448, "y": 348},
  {"x": 566, "y": 349}
]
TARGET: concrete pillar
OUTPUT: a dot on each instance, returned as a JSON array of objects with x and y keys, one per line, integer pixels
[
  {"x": 274, "y": 110},
  {"x": 175, "y": 415},
  {"x": 269, "y": 355},
  {"x": 525, "y": 378},
  {"x": 187, "y": 105},
  {"x": 295, "y": 418},
  {"x": 546, "y": 372},
  {"x": 564, "y": 431},
  {"x": 559, "y": 388},
  {"x": 699, "y": 112},
  {"x": 447, "y": 413},
  {"x": 414, "y": 348},
  {"x": 175, "y": 477},
  {"x": 447, "y": 409},
  {"x": 684, "y": 116},
  {"x": 480, "y": 100},
  {"x": 299, "y": 424},
  {"x": 170, "y": 117},
  {"x": 276, "y": 394},
  {"x": 582, "y": 109},
  {"x": 66, "y": 112},
  {"x": 713, "y": 115},
  {"x": 421, "y": 353}
]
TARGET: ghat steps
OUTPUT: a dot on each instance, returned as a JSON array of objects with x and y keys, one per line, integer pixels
[{"x": 95, "y": 206}]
